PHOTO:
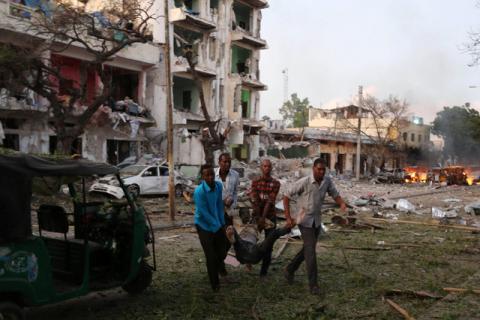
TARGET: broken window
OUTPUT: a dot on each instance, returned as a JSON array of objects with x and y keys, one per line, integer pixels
[
  {"x": 185, "y": 94},
  {"x": 245, "y": 102},
  {"x": 11, "y": 123},
  {"x": 213, "y": 4},
  {"x": 419, "y": 138},
  {"x": 75, "y": 148},
  {"x": 119, "y": 150},
  {"x": 405, "y": 136},
  {"x": 240, "y": 152},
  {"x": 243, "y": 16},
  {"x": 185, "y": 37},
  {"x": 190, "y": 6},
  {"x": 124, "y": 84},
  {"x": 241, "y": 60},
  {"x": 11, "y": 141},
  {"x": 412, "y": 137}
]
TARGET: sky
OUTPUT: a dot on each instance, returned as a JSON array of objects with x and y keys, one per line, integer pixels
[{"x": 408, "y": 48}]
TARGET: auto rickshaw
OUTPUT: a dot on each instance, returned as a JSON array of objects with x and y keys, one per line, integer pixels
[{"x": 107, "y": 246}]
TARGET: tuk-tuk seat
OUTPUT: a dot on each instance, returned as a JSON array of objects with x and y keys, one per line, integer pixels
[
  {"x": 67, "y": 255},
  {"x": 53, "y": 219}
]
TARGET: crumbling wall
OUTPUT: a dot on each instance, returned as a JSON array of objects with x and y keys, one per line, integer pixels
[
  {"x": 188, "y": 150},
  {"x": 34, "y": 136}
]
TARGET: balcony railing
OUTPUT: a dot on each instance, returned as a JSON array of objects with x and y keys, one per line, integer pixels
[{"x": 179, "y": 15}]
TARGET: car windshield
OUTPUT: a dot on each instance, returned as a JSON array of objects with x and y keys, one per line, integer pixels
[{"x": 131, "y": 170}]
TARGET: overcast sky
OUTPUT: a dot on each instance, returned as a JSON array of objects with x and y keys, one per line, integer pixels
[{"x": 408, "y": 48}]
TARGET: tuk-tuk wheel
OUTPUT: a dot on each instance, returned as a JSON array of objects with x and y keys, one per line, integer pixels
[
  {"x": 11, "y": 311},
  {"x": 141, "y": 281}
]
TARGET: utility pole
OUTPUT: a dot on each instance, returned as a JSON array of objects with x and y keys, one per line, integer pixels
[
  {"x": 285, "y": 85},
  {"x": 359, "y": 140},
  {"x": 171, "y": 167}
]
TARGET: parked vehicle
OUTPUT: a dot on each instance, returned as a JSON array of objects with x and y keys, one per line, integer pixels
[
  {"x": 141, "y": 180},
  {"x": 107, "y": 248}
]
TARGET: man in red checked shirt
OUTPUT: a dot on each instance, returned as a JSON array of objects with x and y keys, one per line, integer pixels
[{"x": 263, "y": 195}]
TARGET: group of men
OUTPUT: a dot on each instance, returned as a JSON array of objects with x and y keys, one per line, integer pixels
[{"x": 216, "y": 197}]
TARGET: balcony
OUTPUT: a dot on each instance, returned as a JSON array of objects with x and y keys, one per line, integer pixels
[
  {"x": 26, "y": 102},
  {"x": 244, "y": 37},
  {"x": 251, "y": 82},
  {"x": 184, "y": 18},
  {"x": 259, "y": 4},
  {"x": 180, "y": 66}
]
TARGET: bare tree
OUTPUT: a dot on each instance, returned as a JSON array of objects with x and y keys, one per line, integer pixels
[
  {"x": 102, "y": 36},
  {"x": 381, "y": 124},
  {"x": 472, "y": 47},
  {"x": 212, "y": 139}
]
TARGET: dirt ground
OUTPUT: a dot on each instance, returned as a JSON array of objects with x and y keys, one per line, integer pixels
[{"x": 358, "y": 268}]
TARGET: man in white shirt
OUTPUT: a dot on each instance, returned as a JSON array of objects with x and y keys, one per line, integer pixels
[{"x": 230, "y": 180}]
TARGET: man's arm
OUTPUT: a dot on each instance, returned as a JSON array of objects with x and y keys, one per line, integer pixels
[
  {"x": 221, "y": 214},
  {"x": 341, "y": 203},
  {"x": 272, "y": 197},
  {"x": 235, "y": 189},
  {"x": 333, "y": 192},
  {"x": 286, "y": 208},
  {"x": 296, "y": 189}
]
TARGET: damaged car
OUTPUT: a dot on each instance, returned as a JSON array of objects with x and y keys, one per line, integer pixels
[{"x": 141, "y": 180}]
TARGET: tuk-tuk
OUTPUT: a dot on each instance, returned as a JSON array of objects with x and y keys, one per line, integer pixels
[{"x": 107, "y": 246}]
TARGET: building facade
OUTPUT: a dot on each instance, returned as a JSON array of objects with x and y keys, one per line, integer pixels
[{"x": 225, "y": 36}]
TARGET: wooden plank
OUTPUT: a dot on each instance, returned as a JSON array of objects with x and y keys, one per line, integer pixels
[{"x": 400, "y": 310}]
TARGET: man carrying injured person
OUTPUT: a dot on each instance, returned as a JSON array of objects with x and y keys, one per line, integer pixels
[
  {"x": 263, "y": 194},
  {"x": 311, "y": 192}
]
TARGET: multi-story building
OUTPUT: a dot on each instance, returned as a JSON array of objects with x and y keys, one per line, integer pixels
[
  {"x": 224, "y": 34},
  {"x": 111, "y": 136}
]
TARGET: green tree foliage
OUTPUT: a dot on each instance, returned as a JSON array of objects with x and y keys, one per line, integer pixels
[
  {"x": 460, "y": 129},
  {"x": 296, "y": 111}
]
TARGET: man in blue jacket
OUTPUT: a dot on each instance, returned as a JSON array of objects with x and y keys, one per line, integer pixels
[{"x": 210, "y": 224}]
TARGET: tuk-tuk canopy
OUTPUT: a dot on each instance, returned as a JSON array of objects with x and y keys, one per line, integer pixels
[
  {"x": 32, "y": 166},
  {"x": 16, "y": 174}
]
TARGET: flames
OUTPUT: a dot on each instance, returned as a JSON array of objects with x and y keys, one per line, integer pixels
[
  {"x": 416, "y": 175},
  {"x": 451, "y": 175}
]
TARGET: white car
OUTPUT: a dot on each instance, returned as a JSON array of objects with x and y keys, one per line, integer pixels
[{"x": 141, "y": 180}]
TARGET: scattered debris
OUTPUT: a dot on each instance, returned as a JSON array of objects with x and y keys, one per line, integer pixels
[
  {"x": 461, "y": 290},
  {"x": 405, "y": 205},
  {"x": 473, "y": 208},
  {"x": 416, "y": 294},
  {"x": 169, "y": 237},
  {"x": 400, "y": 310},
  {"x": 440, "y": 214}
]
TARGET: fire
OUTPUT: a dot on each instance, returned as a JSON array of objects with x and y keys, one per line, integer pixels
[{"x": 416, "y": 175}]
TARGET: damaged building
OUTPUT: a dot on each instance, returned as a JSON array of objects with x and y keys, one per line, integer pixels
[
  {"x": 116, "y": 131},
  {"x": 332, "y": 135},
  {"x": 225, "y": 36}
]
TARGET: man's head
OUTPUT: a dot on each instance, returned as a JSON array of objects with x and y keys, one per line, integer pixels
[
  {"x": 224, "y": 162},
  {"x": 266, "y": 167},
  {"x": 319, "y": 168},
  {"x": 208, "y": 175}
]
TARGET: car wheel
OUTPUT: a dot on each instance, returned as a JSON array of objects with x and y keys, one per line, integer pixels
[
  {"x": 141, "y": 281},
  {"x": 11, "y": 311},
  {"x": 134, "y": 190},
  {"x": 178, "y": 190}
]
